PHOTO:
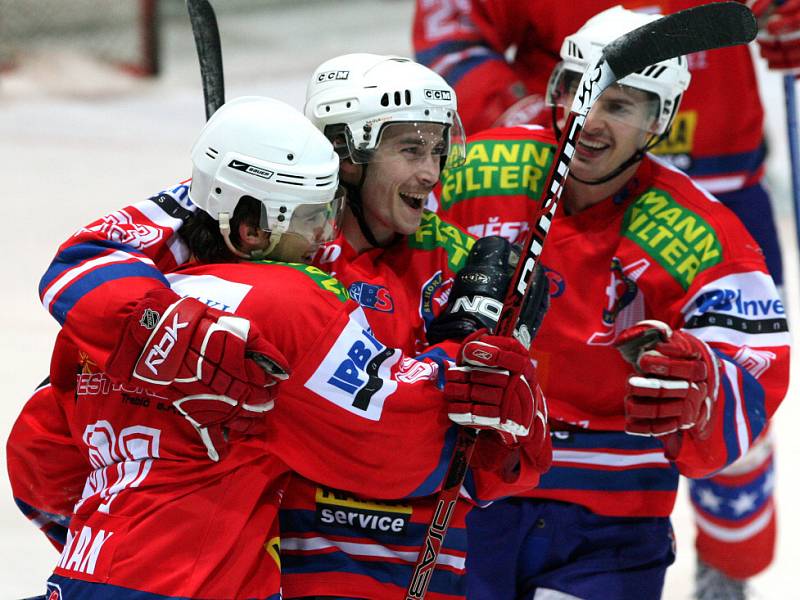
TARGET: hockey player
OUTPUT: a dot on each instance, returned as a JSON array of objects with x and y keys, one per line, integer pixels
[
  {"x": 409, "y": 277},
  {"x": 467, "y": 43},
  {"x": 642, "y": 259},
  {"x": 210, "y": 528}
]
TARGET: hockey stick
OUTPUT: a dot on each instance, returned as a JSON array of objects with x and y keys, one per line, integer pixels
[
  {"x": 705, "y": 27},
  {"x": 794, "y": 147},
  {"x": 209, "y": 51}
]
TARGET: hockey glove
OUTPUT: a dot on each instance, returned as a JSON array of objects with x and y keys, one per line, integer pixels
[
  {"x": 779, "y": 35},
  {"x": 494, "y": 387},
  {"x": 675, "y": 386},
  {"x": 222, "y": 371},
  {"x": 476, "y": 299}
]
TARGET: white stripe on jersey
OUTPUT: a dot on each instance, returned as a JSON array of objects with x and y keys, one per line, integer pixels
[
  {"x": 734, "y": 534},
  {"x": 371, "y": 550},
  {"x": 608, "y": 459},
  {"x": 71, "y": 274},
  {"x": 156, "y": 214},
  {"x": 742, "y": 435}
]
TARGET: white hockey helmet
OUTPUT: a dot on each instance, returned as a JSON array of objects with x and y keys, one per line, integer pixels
[
  {"x": 358, "y": 96},
  {"x": 265, "y": 149},
  {"x": 666, "y": 80}
]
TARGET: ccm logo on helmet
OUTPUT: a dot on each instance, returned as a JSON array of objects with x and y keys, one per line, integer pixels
[
  {"x": 444, "y": 95},
  {"x": 245, "y": 168},
  {"x": 332, "y": 76}
]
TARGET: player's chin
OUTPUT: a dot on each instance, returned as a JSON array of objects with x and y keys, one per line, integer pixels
[{"x": 408, "y": 224}]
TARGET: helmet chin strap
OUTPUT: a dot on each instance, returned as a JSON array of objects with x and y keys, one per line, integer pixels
[
  {"x": 356, "y": 206},
  {"x": 258, "y": 254}
]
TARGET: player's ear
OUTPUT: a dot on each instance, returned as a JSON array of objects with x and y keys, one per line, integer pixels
[
  {"x": 350, "y": 172},
  {"x": 252, "y": 237}
]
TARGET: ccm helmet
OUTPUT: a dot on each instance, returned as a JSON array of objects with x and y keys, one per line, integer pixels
[
  {"x": 357, "y": 96},
  {"x": 264, "y": 149},
  {"x": 664, "y": 81}
]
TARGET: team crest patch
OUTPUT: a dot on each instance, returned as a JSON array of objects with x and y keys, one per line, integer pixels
[
  {"x": 624, "y": 304},
  {"x": 435, "y": 291},
  {"x": 376, "y": 297},
  {"x": 149, "y": 319}
]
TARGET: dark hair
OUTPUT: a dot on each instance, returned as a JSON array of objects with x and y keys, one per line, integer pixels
[{"x": 201, "y": 231}]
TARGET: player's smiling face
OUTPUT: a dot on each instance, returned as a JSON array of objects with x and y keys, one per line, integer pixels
[
  {"x": 615, "y": 129},
  {"x": 402, "y": 173}
]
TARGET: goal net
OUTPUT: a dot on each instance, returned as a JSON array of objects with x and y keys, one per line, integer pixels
[{"x": 122, "y": 33}]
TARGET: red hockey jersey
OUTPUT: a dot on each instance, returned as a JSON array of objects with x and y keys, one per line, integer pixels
[
  {"x": 717, "y": 136},
  {"x": 352, "y": 408},
  {"x": 400, "y": 288},
  {"x": 660, "y": 249}
]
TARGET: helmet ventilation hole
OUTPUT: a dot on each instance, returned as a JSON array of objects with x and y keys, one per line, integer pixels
[{"x": 385, "y": 100}]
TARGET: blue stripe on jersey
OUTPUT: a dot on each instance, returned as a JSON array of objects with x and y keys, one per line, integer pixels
[
  {"x": 435, "y": 479},
  {"x": 599, "y": 440},
  {"x": 753, "y": 403},
  {"x": 463, "y": 67},
  {"x": 429, "y": 56},
  {"x": 93, "y": 279},
  {"x": 302, "y": 522},
  {"x": 726, "y": 506},
  {"x": 74, "y": 255},
  {"x": 454, "y": 74},
  {"x": 730, "y": 163},
  {"x": 27, "y": 510},
  {"x": 663, "y": 479},
  {"x": 755, "y": 411},
  {"x": 75, "y": 589},
  {"x": 442, "y": 582},
  {"x": 729, "y": 421},
  {"x": 53, "y": 526}
]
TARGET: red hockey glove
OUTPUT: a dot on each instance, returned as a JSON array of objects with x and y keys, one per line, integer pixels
[
  {"x": 779, "y": 35},
  {"x": 676, "y": 384},
  {"x": 494, "y": 387},
  {"x": 218, "y": 365}
]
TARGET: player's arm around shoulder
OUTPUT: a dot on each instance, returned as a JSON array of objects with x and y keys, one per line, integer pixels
[{"x": 99, "y": 272}]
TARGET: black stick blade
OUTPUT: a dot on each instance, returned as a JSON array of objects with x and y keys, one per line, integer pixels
[
  {"x": 209, "y": 52},
  {"x": 705, "y": 27}
]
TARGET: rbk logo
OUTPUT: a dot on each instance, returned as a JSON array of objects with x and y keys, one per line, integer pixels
[{"x": 160, "y": 352}]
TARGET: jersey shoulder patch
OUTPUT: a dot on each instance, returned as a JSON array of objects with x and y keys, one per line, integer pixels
[
  {"x": 679, "y": 239},
  {"x": 499, "y": 166},
  {"x": 435, "y": 233}
]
